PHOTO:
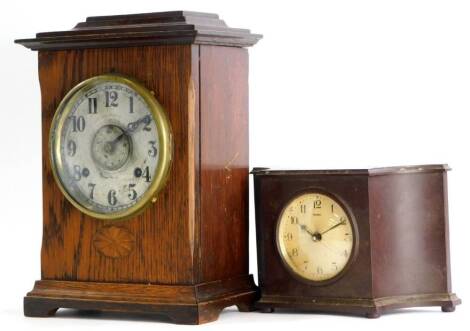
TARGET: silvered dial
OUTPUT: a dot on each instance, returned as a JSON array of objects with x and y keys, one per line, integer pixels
[
  {"x": 315, "y": 236},
  {"x": 106, "y": 146}
]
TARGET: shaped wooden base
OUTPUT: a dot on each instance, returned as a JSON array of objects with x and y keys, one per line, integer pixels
[
  {"x": 370, "y": 308},
  {"x": 182, "y": 304}
]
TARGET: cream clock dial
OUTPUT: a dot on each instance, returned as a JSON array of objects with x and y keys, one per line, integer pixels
[
  {"x": 110, "y": 147},
  {"x": 315, "y": 237}
]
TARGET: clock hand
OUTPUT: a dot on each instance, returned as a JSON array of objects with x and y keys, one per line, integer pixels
[
  {"x": 110, "y": 145},
  {"x": 342, "y": 222},
  {"x": 315, "y": 235},
  {"x": 131, "y": 128},
  {"x": 304, "y": 227}
]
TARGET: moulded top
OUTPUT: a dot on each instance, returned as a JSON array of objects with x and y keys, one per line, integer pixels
[
  {"x": 398, "y": 170},
  {"x": 174, "y": 27}
]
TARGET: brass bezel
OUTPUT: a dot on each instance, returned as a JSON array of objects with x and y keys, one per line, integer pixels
[
  {"x": 352, "y": 220},
  {"x": 164, "y": 134}
]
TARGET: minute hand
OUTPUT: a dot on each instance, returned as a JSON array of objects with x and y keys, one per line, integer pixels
[
  {"x": 131, "y": 127},
  {"x": 334, "y": 226}
]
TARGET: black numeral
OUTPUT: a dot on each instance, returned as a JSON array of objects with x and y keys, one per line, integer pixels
[
  {"x": 317, "y": 204},
  {"x": 303, "y": 209},
  {"x": 78, "y": 123},
  {"x": 153, "y": 150},
  {"x": 71, "y": 148},
  {"x": 319, "y": 270},
  {"x": 147, "y": 121},
  {"x": 295, "y": 252},
  {"x": 146, "y": 174},
  {"x": 131, "y": 105},
  {"x": 92, "y": 189},
  {"x": 92, "y": 105},
  {"x": 77, "y": 172},
  {"x": 111, "y": 98},
  {"x": 132, "y": 193},
  {"x": 288, "y": 236},
  {"x": 294, "y": 220},
  {"x": 112, "y": 200}
]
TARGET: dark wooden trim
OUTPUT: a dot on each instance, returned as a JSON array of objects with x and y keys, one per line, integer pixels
[
  {"x": 371, "y": 308},
  {"x": 185, "y": 304},
  {"x": 399, "y": 170},
  {"x": 176, "y": 27}
]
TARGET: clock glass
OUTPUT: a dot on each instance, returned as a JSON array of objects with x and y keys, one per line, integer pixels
[
  {"x": 315, "y": 237},
  {"x": 110, "y": 145}
]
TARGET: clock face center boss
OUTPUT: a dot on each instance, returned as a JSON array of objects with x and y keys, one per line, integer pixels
[{"x": 110, "y": 146}]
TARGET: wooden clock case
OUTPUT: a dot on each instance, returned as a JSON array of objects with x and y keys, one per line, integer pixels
[
  {"x": 185, "y": 256},
  {"x": 402, "y": 256}
]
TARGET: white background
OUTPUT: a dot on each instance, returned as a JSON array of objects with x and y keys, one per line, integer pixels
[{"x": 333, "y": 84}]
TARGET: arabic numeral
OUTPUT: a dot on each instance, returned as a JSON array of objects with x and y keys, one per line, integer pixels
[
  {"x": 91, "y": 186},
  {"x": 71, "y": 148},
  {"x": 92, "y": 105},
  {"x": 147, "y": 120},
  {"x": 295, "y": 252},
  {"x": 77, "y": 172},
  {"x": 78, "y": 123},
  {"x": 132, "y": 193},
  {"x": 146, "y": 174},
  {"x": 111, "y": 98},
  {"x": 153, "y": 150},
  {"x": 112, "y": 200}
]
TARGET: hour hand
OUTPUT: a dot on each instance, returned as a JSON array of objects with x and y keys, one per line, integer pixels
[{"x": 304, "y": 228}]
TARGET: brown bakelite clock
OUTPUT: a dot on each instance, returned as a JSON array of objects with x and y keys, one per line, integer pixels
[
  {"x": 353, "y": 241},
  {"x": 145, "y": 166}
]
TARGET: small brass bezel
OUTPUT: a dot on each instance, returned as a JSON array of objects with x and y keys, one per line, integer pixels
[
  {"x": 355, "y": 236},
  {"x": 164, "y": 135}
]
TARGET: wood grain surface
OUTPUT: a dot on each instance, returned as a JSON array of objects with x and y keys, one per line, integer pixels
[
  {"x": 164, "y": 250},
  {"x": 224, "y": 162}
]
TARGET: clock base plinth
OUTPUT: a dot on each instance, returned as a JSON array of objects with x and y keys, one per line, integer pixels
[
  {"x": 370, "y": 308},
  {"x": 182, "y": 304}
]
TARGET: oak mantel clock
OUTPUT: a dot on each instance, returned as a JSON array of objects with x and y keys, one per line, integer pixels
[
  {"x": 145, "y": 166},
  {"x": 353, "y": 241}
]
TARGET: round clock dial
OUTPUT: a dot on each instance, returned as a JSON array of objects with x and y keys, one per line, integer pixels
[
  {"x": 315, "y": 237},
  {"x": 110, "y": 146}
]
